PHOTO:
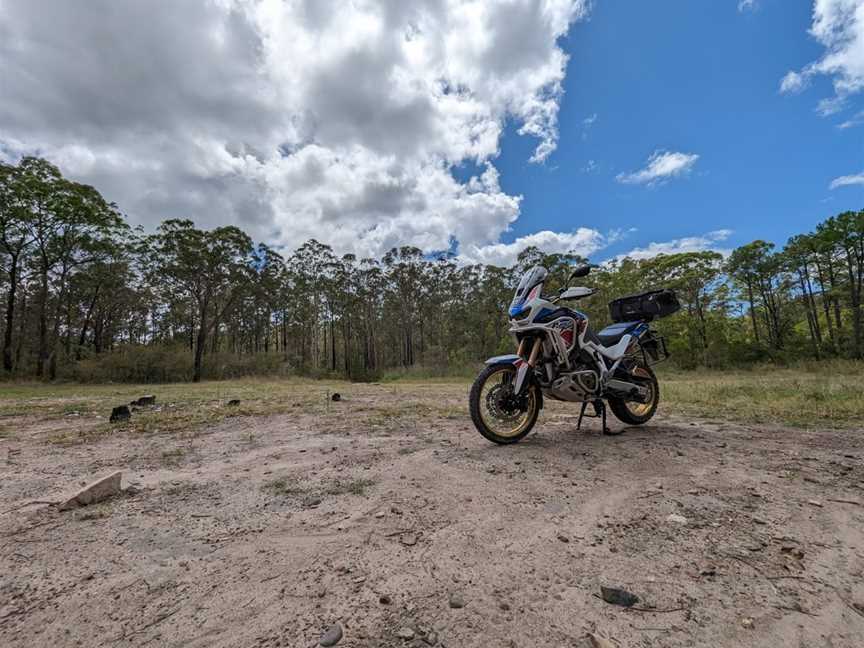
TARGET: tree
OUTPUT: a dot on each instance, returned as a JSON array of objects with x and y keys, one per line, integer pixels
[
  {"x": 847, "y": 230},
  {"x": 206, "y": 267}
]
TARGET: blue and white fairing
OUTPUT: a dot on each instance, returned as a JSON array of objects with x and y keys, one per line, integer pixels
[{"x": 532, "y": 279}]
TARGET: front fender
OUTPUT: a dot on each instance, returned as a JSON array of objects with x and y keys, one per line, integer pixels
[
  {"x": 503, "y": 359},
  {"x": 514, "y": 359}
]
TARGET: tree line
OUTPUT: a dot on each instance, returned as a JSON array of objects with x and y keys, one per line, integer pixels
[{"x": 88, "y": 297}]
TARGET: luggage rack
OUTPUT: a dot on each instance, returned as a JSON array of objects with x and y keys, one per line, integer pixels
[{"x": 653, "y": 348}]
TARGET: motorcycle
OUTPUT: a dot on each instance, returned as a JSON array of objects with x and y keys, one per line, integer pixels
[{"x": 560, "y": 357}]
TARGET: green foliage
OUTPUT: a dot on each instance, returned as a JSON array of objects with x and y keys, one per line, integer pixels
[{"x": 86, "y": 298}]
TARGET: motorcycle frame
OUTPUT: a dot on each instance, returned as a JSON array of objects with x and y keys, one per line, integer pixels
[{"x": 542, "y": 332}]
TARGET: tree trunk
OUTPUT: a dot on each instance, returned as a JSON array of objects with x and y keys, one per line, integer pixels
[
  {"x": 86, "y": 325},
  {"x": 752, "y": 310},
  {"x": 199, "y": 347},
  {"x": 42, "y": 356},
  {"x": 826, "y": 305},
  {"x": 10, "y": 313}
]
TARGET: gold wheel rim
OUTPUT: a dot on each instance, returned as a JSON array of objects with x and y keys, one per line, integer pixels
[
  {"x": 504, "y": 426},
  {"x": 641, "y": 409}
]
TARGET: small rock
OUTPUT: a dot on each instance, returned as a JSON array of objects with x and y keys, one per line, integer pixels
[
  {"x": 677, "y": 519},
  {"x": 234, "y": 402},
  {"x": 312, "y": 501},
  {"x": 596, "y": 641},
  {"x": 504, "y": 606},
  {"x": 332, "y": 636},
  {"x": 379, "y": 514},
  {"x": 405, "y": 633},
  {"x": 815, "y": 503},
  {"x": 336, "y": 397},
  {"x": 384, "y": 599},
  {"x": 747, "y": 622},
  {"x": 395, "y": 510},
  {"x": 563, "y": 538},
  {"x": 96, "y": 491},
  {"x": 408, "y": 539},
  {"x": 456, "y": 601},
  {"x": 617, "y": 596},
  {"x": 708, "y": 570},
  {"x": 120, "y": 413},
  {"x": 431, "y": 638}
]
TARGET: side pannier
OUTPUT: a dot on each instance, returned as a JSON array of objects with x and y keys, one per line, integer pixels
[{"x": 647, "y": 306}]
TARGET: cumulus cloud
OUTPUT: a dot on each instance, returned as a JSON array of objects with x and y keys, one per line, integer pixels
[
  {"x": 661, "y": 166},
  {"x": 847, "y": 181},
  {"x": 583, "y": 241},
  {"x": 839, "y": 26},
  {"x": 701, "y": 243},
  {"x": 306, "y": 118}
]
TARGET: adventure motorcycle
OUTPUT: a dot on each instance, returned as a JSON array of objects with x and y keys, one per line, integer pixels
[{"x": 560, "y": 357}]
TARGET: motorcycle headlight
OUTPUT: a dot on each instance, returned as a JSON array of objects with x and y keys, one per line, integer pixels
[{"x": 521, "y": 315}]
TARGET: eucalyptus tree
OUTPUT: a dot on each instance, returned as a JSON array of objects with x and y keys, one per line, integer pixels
[
  {"x": 847, "y": 231},
  {"x": 208, "y": 268},
  {"x": 694, "y": 276},
  {"x": 18, "y": 186},
  {"x": 62, "y": 226}
]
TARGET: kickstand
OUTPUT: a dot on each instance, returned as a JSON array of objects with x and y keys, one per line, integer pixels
[
  {"x": 599, "y": 412},
  {"x": 581, "y": 415}
]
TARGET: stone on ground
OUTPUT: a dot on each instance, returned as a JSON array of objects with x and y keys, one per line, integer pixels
[
  {"x": 120, "y": 413},
  {"x": 332, "y": 636},
  {"x": 94, "y": 492}
]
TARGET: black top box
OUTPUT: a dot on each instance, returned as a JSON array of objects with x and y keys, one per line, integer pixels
[{"x": 647, "y": 306}]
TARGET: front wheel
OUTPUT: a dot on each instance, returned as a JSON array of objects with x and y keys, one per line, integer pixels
[
  {"x": 633, "y": 412},
  {"x": 497, "y": 413}
]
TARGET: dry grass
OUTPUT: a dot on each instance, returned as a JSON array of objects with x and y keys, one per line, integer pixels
[{"x": 813, "y": 395}]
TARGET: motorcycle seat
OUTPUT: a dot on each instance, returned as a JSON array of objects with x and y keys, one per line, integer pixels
[{"x": 612, "y": 334}]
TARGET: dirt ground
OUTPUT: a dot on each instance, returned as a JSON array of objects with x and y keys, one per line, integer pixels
[{"x": 386, "y": 511}]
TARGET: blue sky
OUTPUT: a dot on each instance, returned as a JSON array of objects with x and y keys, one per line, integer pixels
[
  {"x": 701, "y": 78},
  {"x": 375, "y": 124}
]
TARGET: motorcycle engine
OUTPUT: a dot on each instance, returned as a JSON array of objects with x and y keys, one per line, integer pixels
[{"x": 579, "y": 385}]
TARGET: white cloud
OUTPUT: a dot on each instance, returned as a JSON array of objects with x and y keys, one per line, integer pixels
[
  {"x": 847, "y": 181},
  {"x": 307, "y": 118},
  {"x": 707, "y": 241},
  {"x": 793, "y": 82},
  {"x": 854, "y": 121},
  {"x": 839, "y": 26},
  {"x": 747, "y": 5},
  {"x": 583, "y": 241},
  {"x": 661, "y": 166}
]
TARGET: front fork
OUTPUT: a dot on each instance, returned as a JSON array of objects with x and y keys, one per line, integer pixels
[{"x": 522, "y": 366}]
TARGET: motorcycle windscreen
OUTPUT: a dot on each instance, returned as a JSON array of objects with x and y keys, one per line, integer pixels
[{"x": 530, "y": 279}]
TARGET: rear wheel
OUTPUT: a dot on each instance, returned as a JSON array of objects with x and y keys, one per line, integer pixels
[
  {"x": 497, "y": 413},
  {"x": 634, "y": 412}
]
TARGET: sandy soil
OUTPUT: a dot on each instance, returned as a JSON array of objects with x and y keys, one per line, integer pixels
[{"x": 383, "y": 510}]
